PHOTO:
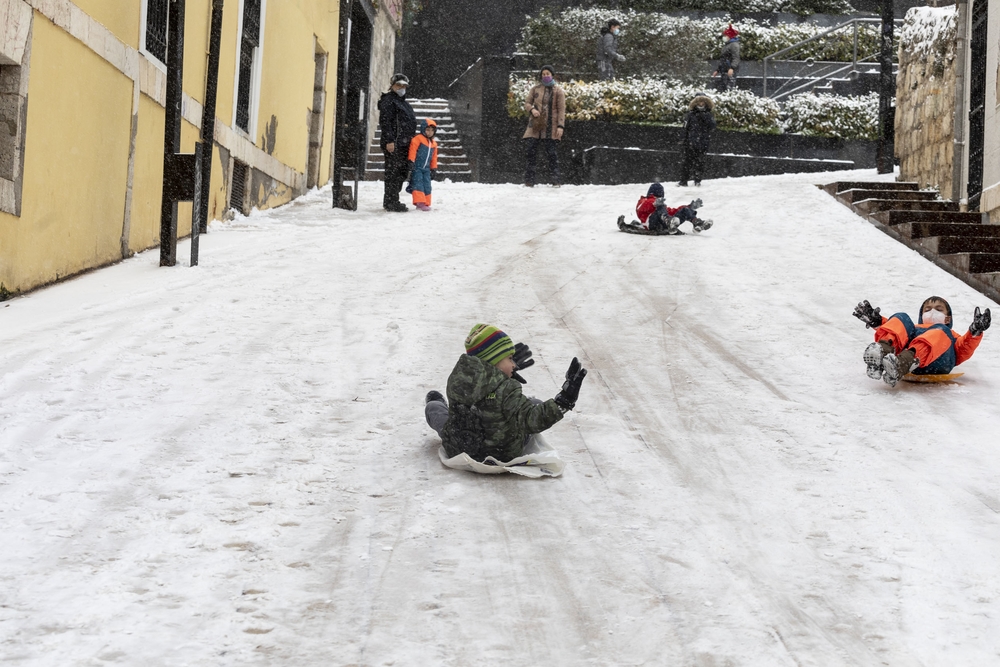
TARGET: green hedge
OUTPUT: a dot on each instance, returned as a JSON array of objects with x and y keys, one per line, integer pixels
[
  {"x": 659, "y": 44},
  {"x": 666, "y": 102}
]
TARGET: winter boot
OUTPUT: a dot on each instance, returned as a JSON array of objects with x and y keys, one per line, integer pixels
[
  {"x": 895, "y": 366},
  {"x": 422, "y": 207},
  {"x": 673, "y": 224},
  {"x": 697, "y": 184},
  {"x": 621, "y": 222},
  {"x": 434, "y": 395},
  {"x": 683, "y": 184},
  {"x": 397, "y": 207},
  {"x": 701, "y": 225},
  {"x": 873, "y": 356}
]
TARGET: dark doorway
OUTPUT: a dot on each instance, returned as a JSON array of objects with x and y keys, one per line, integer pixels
[
  {"x": 351, "y": 147},
  {"x": 977, "y": 102}
]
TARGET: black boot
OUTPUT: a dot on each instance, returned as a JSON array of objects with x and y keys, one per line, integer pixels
[{"x": 434, "y": 395}]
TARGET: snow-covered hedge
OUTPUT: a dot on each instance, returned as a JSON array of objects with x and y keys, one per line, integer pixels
[
  {"x": 832, "y": 115},
  {"x": 801, "y": 7},
  {"x": 659, "y": 101},
  {"x": 656, "y": 43}
]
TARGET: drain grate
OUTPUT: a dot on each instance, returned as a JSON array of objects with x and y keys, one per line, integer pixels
[{"x": 237, "y": 197}]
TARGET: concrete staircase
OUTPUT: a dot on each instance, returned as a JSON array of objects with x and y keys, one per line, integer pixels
[
  {"x": 453, "y": 163},
  {"x": 961, "y": 243}
]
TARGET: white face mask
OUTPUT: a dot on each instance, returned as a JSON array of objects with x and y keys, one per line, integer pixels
[{"x": 934, "y": 317}]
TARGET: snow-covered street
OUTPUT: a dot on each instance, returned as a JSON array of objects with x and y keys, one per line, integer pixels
[{"x": 229, "y": 465}]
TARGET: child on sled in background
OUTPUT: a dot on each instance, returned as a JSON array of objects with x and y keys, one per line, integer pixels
[
  {"x": 655, "y": 216},
  {"x": 486, "y": 414},
  {"x": 929, "y": 347},
  {"x": 423, "y": 164}
]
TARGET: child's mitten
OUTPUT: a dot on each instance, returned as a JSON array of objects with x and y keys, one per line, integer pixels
[
  {"x": 566, "y": 398},
  {"x": 870, "y": 316},
  {"x": 696, "y": 204},
  {"x": 980, "y": 322},
  {"x": 522, "y": 359}
]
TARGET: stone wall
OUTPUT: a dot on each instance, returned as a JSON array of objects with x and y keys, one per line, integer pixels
[{"x": 925, "y": 99}]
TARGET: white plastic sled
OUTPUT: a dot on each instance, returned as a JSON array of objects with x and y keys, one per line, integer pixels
[{"x": 539, "y": 460}]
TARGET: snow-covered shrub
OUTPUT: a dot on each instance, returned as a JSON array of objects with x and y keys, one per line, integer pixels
[
  {"x": 832, "y": 115},
  {"x": 801, "y": 7},
  {"x": 929, "y": 33},
  {"x": 652, "y": 100},
  {"x": 656, "y": 43},
  {"x": 659, "y": 101}
]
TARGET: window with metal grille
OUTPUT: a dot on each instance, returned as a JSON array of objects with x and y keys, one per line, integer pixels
[
  {"x": 237, "y": 195},
  {"x": 156, "y": 29},
  {"x": 248, "y": 46}
]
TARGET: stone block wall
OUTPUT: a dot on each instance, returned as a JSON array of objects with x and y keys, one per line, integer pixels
[{"x": 925, "y": 103}]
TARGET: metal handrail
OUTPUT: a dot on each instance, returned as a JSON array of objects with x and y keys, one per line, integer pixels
[
  {"x": 853, "y": 23},
  {"x": 850, "y": 67}
]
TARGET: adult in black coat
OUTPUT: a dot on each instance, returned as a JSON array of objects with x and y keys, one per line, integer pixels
[
  {"x": 399, "y": 125},
  {"x": 698, "y": 125}
]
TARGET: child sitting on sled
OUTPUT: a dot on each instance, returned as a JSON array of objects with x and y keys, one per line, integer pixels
[
  {"x": 486, "y": 414},
  {"x": 929, "y": 347},
  {"x": 658, "y": 218}
]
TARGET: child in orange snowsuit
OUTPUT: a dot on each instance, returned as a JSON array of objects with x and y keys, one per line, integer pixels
[
  {"x": 929, "y": 347},
  {"x": 423, "y": 164}
]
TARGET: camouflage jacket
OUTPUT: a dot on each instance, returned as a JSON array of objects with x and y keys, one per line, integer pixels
[{"x": 507, "y": 416}]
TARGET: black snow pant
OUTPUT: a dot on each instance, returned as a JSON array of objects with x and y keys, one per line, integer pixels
[
  {"x": 659, "y": 219},
  {"x": 397, "y": 168},
  {"x": 726, "y": 82},
  {"x": 550, "y": 150},
  {"x": 694, "y": 165}
]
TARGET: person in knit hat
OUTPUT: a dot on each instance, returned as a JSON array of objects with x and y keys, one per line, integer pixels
[
  {"x": 729, "y": 59},
  {"x": 486, "y": 413},
  {"x": 929, "y": 347}
]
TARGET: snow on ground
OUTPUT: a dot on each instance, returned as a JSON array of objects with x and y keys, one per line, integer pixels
[{"x": 228, "y": 464}]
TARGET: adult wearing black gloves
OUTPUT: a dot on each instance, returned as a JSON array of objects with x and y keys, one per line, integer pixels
[
  {"x": 398, "y": 125},
  {"x": 486, "y": 413},
  {"x": 927, "y": 347}
]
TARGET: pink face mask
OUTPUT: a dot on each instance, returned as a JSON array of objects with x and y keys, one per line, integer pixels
[{"x": 546, "y": 80}]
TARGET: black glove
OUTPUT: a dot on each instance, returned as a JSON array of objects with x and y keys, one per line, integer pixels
[
  {"x": 980, "y": 322},
  {"x": 870, "y": 316},
  {"x": 566, "y": 398},
  {"x": 522, "y": 359},
  {"x": 696, "y": 204}
]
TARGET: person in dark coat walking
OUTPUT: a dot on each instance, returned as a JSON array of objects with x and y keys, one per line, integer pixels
[
  {"x": 607, "y": 50},
  {"x": 398, "y": 124},
  {"x": 729, "y": 59},
  {"x": 698, "y": 125}
]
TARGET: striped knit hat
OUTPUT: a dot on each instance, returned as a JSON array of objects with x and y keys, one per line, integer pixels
[{"x": 489, "y": 344}]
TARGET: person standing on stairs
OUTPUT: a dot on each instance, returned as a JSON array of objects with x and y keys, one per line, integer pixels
[{"x": 398, "y": 125}]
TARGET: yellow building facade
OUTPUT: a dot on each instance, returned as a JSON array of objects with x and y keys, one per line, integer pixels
[{"x": 82, "y": 95}]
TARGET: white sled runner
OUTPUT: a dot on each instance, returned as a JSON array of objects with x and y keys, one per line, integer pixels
[{"x": 539, "y": 460}]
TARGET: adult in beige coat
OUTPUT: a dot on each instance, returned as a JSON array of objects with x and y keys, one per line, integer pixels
[{"x": 546, "y": 107}]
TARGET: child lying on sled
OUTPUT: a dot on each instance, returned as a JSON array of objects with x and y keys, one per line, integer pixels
[
  {"x": 655, "y": 216},
  {"x": 486, "y": 414},
  {"x": 929, "y": 347}
]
